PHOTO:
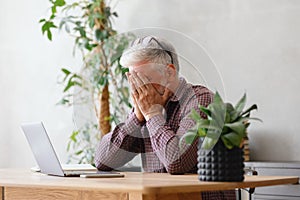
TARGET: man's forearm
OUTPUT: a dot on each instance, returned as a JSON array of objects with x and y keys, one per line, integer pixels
[
  {"x": 111, "y": 154},
  {"x": 120, "y": 146}
]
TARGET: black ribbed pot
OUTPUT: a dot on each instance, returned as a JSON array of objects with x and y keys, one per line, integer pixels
[{"x": 220, "y": 164}]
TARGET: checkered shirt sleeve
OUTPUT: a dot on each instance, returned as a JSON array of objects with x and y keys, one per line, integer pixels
[{"x": 119, "y": 146}]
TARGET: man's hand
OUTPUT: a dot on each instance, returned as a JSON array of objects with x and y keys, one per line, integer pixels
[
  {"x": 146, "y": 97},
  {"x": 139, "y": 115},
  {"x": 137, "y": 111}
]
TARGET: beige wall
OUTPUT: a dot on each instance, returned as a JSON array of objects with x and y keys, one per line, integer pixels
[{"x": 254, "y": 44}]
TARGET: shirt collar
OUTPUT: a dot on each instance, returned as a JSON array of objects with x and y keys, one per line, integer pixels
[{"x": 181, "y": 89}]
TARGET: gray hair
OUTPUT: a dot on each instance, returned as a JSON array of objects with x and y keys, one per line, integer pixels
[{"x": 150, "y": 49}]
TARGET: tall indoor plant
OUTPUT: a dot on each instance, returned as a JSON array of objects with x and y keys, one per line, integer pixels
[
  {"x": 221, "y": 135},
  {"x": 89, "y": 22}
]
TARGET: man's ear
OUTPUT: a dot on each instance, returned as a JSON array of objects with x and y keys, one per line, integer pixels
[{"x": 171, "y": 71}]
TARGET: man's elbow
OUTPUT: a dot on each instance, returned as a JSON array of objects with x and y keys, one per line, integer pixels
[
  {"x": 174, "y": 168},
  {"x": 102, "y": 167}
]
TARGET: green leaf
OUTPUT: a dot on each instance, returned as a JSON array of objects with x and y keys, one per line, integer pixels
[
  {"x": 245, "y": 119},
  {"x": 65, "y": 71},
  {"x": 230, "y": 112},
  {"x": 205, "y": 110},
  {"x": 218, "y": 109},
  {"x": 52, "y": 16},
  {"x": 237, "y": 127},
  {"x": 241, "y": 104},
  {"x": 234, "y": 138},
  {"x": 61, "y": 24},
  {"x": 107, "y": 12},
  {"x": 227, "y": 117},
  {"x": 59, "y": 3},
  {"x": 79, "y": 152},
  {"x": 63, "y": 101},
  {"x": 103, "y": 80},
  {"x": 201, "y": 132},
  {"x": 69, "y": 85},
  {"x": 189, "y": 136},
  {"x": 71, "y": 6},
  {"x": 101, "y": 34},
  {"x": 239, "y": 107},
  {"x": 214, "y": 133},
  {"x": 124, "y": 70},
  {"x": 98, "y": 34},
  {"x": 72, "y": 83},
  {"x": 218, "y": 112},
  {"x": 229, "y": 107},
  {"x": 218, "y": 99},
  {"x": 53, "y": 10},
  {"x": 42, "y": 20},
  {"x": 227, "y": 143},
  {"x": 77, "y": 83},
  {"x": 49, "y": 35},
  {"x": 74, "y": 135},
  {"x": 195, "y": 115},
  {"x": 91, "y": 21},
  {"x": 67, "y": 28},
  {"x": 81, "y": 31},
  {"x": 47, "y": 26},
  {"x": 208, "y": 143},
  {"x": 115, "y": 14},
  {"x": 253, "y": 107},
  {"x": 69, "y": 146},
  {"x": 98, "y": 16},
  {"x": 115, "y": 57},
  {"x": 207, "y": 124}
]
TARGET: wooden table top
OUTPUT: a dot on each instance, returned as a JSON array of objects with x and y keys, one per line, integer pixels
[{"x": 145, "y": 183}]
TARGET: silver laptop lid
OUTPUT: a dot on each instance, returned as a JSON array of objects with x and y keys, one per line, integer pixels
[{"x": 42, "y": 148}]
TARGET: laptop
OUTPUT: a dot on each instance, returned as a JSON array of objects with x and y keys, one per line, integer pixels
[{"x": 46, "y": 156}]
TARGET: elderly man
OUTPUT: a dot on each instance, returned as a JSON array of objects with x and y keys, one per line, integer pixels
[{"x": 162, "y": 103}]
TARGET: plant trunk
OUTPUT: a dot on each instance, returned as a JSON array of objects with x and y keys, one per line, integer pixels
[{"x": 104, "y": 117}]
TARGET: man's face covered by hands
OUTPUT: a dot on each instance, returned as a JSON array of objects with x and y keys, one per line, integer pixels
[
  {"x": 151, "y": 73},
  {"x": 149, "y": 89}
]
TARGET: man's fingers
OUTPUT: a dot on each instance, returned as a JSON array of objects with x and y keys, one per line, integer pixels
[
  {"x": 167, "y": 94},
  {"x": 140, "y": 80},
  {"x": 134, "y": 89},
  {"x": 138, "y": 83},
  {"x": 131, "y": 82},
  {"x": 135, "y": 84},
  {"x": 143, "y": 78},
  {"x": 134, "y": 101}
]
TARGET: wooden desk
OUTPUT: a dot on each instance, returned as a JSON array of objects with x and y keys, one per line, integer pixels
[{"x": 25, "y": 185}]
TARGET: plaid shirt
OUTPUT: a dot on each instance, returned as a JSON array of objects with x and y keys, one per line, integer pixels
[{"x": 157, "y": 140}]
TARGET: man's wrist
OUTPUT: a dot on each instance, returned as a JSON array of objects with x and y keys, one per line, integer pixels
[
  {"x": 140, "y": 121},
  {"x": 152, "y": 114},
  {"x": 153, "y": 111}
]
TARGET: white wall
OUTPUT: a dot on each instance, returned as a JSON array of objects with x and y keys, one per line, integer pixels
[
  {"x": 254, "y": 44},
  {"x": 29, "y": 70}
]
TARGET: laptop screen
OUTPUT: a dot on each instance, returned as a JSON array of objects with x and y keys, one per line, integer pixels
[{"x": 42, "y": 148}]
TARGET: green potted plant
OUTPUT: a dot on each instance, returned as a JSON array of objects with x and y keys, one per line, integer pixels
[
  {"x": 221, "y": 135},
  {"x": 100, "y": 85}
]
